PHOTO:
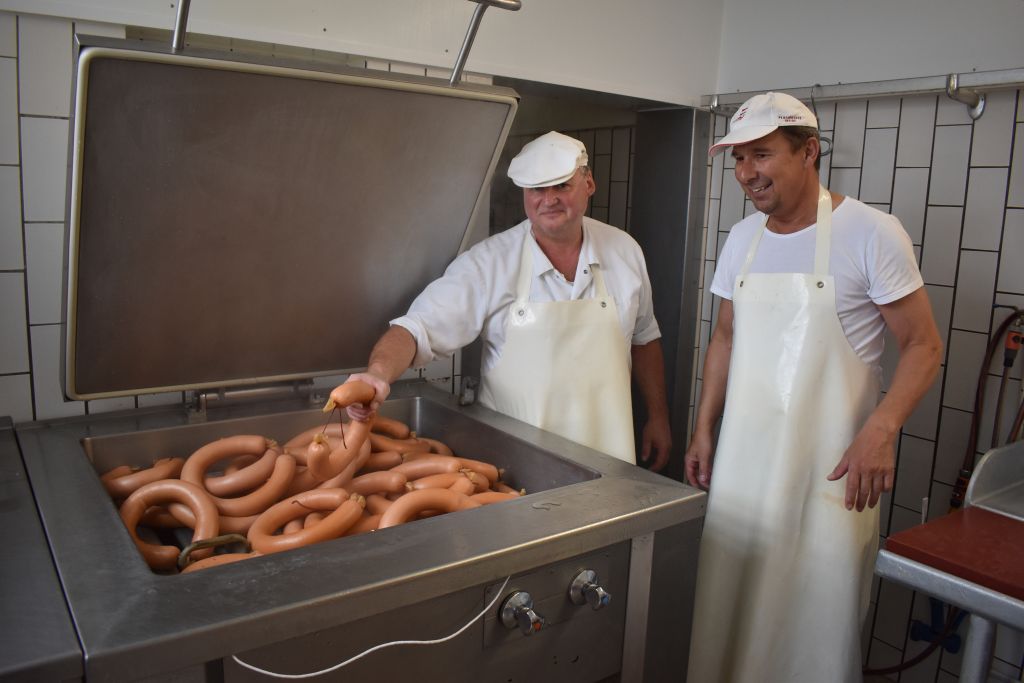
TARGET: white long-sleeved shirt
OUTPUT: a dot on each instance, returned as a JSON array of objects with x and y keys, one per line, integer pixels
[{"x": 472, "y": 298}]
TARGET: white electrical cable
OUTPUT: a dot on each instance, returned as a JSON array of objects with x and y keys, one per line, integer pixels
[{"x": 377, "y": 647}]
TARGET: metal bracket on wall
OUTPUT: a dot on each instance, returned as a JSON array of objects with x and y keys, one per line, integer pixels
[
  {"x": 474, "y": 24},
  {"x": 180, "y": 21},
  {"x": 974, "y": 100}
]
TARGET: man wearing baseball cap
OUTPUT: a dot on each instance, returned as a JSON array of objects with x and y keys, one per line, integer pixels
[
  {"x": 808, "y": 285},
  {"x": 563, "y": 306}
]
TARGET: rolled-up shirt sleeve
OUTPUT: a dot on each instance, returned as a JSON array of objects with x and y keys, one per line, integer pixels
[{"x": 450, "y": 312}]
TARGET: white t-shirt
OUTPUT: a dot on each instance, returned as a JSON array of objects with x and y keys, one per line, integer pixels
[
  {"x": 473, "y": 296},
  {"x": 871, "y": 258}
]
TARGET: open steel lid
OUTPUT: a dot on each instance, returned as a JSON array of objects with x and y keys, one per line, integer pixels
[{"x": 233, "y": 222}]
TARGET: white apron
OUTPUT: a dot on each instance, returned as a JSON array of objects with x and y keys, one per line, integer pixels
[
  {"x": 784, "y": 573},
  {"x": 565, "y": 367}
]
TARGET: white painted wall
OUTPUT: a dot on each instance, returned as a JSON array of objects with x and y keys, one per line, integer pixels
[
  {"x": 770, "y": 44},
  {"x": 663, "y": 50}
]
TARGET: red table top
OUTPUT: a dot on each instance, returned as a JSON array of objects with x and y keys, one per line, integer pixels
[{"x": 977, "y": 545}]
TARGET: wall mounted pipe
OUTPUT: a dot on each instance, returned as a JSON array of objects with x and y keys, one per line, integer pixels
[
  {"x": 474, "y": 24},
  {"x": 975, "y": 102},
  {"x": 976, "y": 81}
]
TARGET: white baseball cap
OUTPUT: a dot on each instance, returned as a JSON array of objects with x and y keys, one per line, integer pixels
[
  {"x": 549, "y": 160},
  {"x": 763, "y": 114}
]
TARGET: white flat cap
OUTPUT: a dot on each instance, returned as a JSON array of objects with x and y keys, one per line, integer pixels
[{"x": 549, "y": 160}]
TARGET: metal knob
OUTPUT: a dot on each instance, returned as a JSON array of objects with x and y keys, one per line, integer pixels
[
  {"x": 585, "y": 589},
  {"x": 517, "y": 612}
]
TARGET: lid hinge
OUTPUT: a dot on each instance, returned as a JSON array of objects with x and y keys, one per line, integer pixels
[{"x": 200, "y": 400}]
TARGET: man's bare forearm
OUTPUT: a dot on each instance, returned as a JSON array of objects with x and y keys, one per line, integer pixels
[
  {"x": 392, "y": 354},
  {"x": 649, "y": 374}
]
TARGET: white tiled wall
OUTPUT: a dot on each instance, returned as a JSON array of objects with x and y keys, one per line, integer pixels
[
  {"x": 958, "y": 188},
  {"x": 35, "y": 103}
]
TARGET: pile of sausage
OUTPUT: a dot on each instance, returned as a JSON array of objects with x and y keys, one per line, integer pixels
[{"x": 321, "y": 484}]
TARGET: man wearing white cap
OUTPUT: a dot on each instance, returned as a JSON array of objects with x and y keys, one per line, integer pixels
[
  {"x": 563, "y": 306},
  {"x": 808, "y": 285}
]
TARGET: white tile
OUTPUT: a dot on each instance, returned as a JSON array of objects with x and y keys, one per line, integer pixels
[
  {"x": 941, "y": 300},
  {"x": 8, "y": 35},
  {"x": 44, "y": 65},
  {"x": 483, "y": 79},
  {"x": 848, "y": 135},
  {"x": 11, "y": 257},
  {"x": 721, "y": 123},
  {"x": 917, "y": 125},
  {"x": 975, "y": 287},
  {"x": 16, "y": 397},
  {"x": 910, "y": 200},
  {"x": 731, "y": 208},
  {"x": 826, "y": 115},
  {"x": 879, "y": 158},
  {"x": 95, "y": 28},
  {"x": 938, "y": 502},
  {"x": 882, "y": 655},
  {"x": 892, "y": 613},
  {"x": 966, "y": 352},
  {"x": 718, "y": 165},
  {"x": 993, "y": 132},
  {"x": 706, "y": 300},
  {"x": 845, "y": 181},
  {"x": 413, "y": 69},
  {"x": 1011, "y": 274},
  {"x": 988, "y": 413},
  {"x": 941, "y": 244},
  {"x": 165, "y": 399},
  {"x": 713, "y": 209},
  {"x": 1016, "y": 194},
  {"x": 903, "y": 519},
  {"x": 13, "y": 326},
  {"x": 983, "y": 214},
  {"x": 109, "y": 405},
  {"x": 44, "y": 253},
  {"x": 1009, "y": 645},
  {"x": 949, "y": 165},
  {"x": 620, "y": 154},
  {"x": 954, "y": 432},
  {"x": 46, "y": 378},
  {"x": 913, "y": 471},
  {"x": 44, "y": 167},
  {"x": 884, "y": 113},
  {"x": 437, "y": 72},
  {"x": 923, "y": 421},
  {"x": 8, "y": 111},
  {"x": 378, "y": 65},
  {"x": 951, "y": 112}
]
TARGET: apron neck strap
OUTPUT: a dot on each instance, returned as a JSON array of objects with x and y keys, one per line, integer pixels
[
  {"x": 822, "y": 238},
  {"x": 525, "y": 269}
]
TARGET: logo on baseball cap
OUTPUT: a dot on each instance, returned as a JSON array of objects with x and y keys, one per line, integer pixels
[{"x": 763, "y": 114}]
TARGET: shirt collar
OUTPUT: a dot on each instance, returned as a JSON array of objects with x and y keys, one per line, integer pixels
[{"x": 542, "y": 264}]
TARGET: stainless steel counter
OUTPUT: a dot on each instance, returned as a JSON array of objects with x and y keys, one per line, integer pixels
[
  {"x": 37, "y": 641},
  {"x": 131, "y": 619}
]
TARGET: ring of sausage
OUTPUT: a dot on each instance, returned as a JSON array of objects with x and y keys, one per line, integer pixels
[
  {"x": 377, "y": 482},
  {"x": 217, "y": 561},
  {"x": 228, "y": 525},
  {"x": 427, "y": 465},
  {"x": 167, "y": 491},
  {"x": 245, "y": 479},
  {"x": 391, "y": 427},
  {"x": 379, "y": 442},
  {"x": 414, "y": 502},
  {"x": 344, "y": 510},
  {"x": 122, "y": 481},
  {"x": 256, "y": 500}
]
